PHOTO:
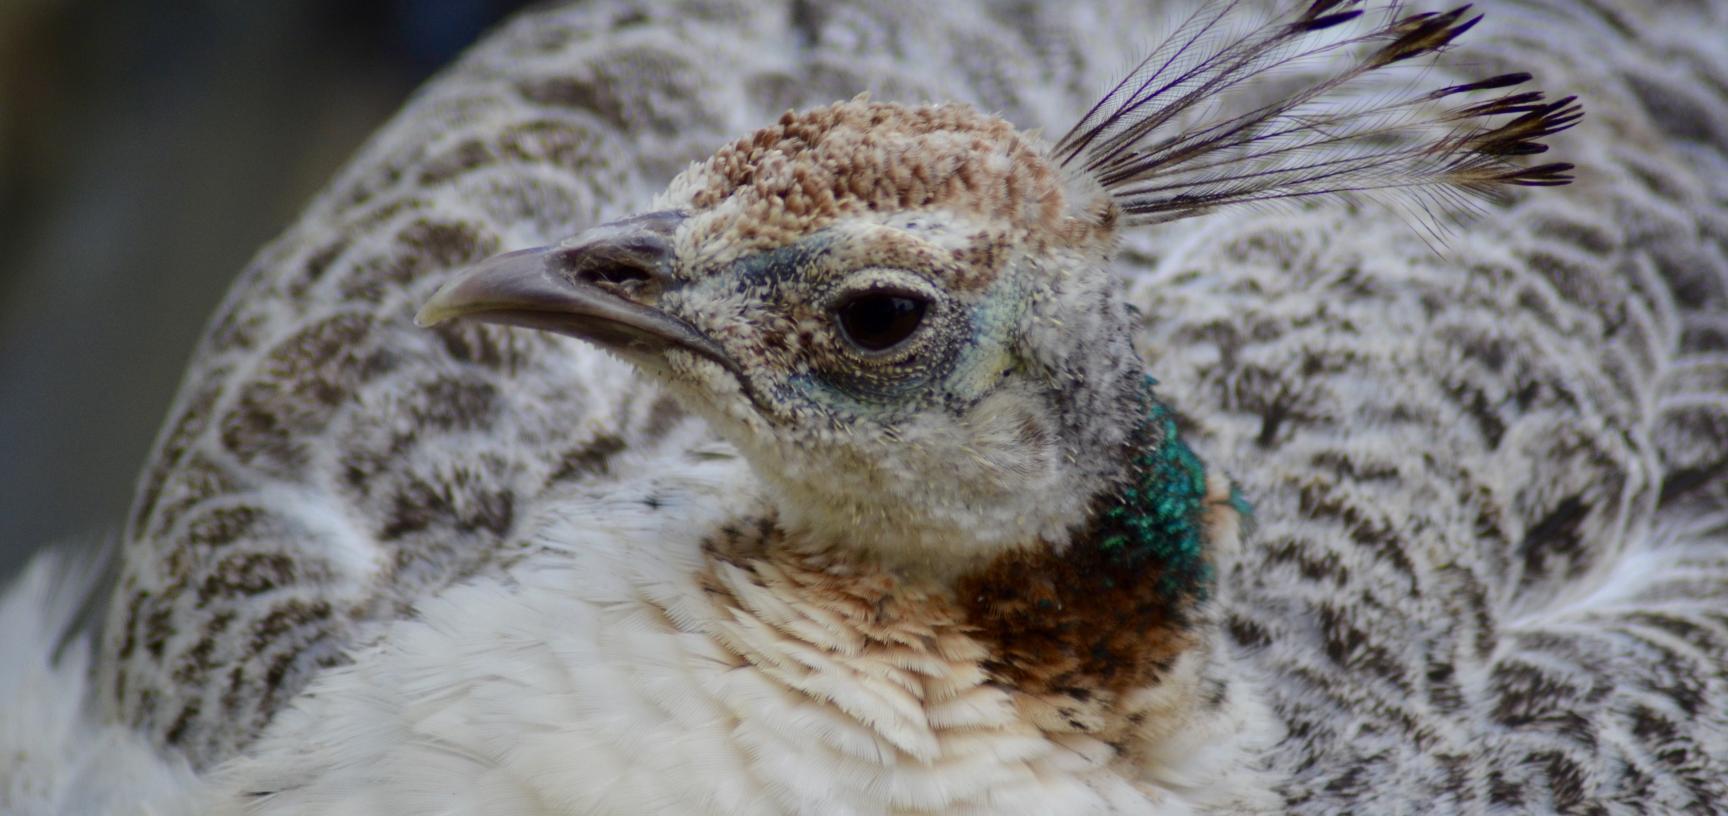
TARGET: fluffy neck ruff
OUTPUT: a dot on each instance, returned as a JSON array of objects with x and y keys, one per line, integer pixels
[
  {"x": 1109, "y": 611},
  {"x": 1090, "y": 666}
]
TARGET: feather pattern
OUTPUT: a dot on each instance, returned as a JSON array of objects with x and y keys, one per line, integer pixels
[
  {"x": 1339, "y": 133},
  {"x": 1489, "y": 570}
]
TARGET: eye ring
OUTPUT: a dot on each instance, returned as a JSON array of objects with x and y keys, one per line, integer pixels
[{"x": 880, "y": 319}]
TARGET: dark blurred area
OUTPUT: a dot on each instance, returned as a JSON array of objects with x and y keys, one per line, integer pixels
[{"x": 147, "y": 150}]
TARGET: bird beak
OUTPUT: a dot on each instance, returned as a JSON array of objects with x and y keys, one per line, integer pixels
[{"x": 601, "y": 286}]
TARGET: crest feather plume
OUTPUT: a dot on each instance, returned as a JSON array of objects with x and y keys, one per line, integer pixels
[{"x": 1338, "y": 133}]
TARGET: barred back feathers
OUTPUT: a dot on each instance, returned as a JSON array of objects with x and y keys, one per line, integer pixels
[{"x": 1489, "y": 567}]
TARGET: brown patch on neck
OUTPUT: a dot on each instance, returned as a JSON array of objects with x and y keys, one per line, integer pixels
[
  {"x": 1079, "y": 623},
  {"x": 1079, "y": 619},
  {"x": 1067, "y": 637},
  {"x": 873, "y": 602}
]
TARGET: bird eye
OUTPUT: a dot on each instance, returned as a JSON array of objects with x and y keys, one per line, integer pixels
[{"x": 879, "y": 320}]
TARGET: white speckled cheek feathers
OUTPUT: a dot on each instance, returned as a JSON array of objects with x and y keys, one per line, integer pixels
[{"x": 917, "y": 455}]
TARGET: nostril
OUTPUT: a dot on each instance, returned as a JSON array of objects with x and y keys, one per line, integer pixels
[
  {"x": 614, "y": 275},
  {"x": 620, "y": 270}
]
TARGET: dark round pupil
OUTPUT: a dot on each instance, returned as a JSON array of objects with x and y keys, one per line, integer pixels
[{"x": 878, "y": 321}]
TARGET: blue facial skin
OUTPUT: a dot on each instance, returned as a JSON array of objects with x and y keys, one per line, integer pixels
[
  {"x": 954, "y": 368},
  {"x": 771, "y": 269}
]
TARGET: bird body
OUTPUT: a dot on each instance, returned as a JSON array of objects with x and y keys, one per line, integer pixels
[
  {"x": 980, "y": 576},
  {"x": 978, "y": 573},
  {"x": 890, "y": 518}
]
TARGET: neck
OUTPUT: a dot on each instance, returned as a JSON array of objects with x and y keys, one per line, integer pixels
[
  {"x": 1105, "y": 645},
  {"x": 1115, "y": 607}
]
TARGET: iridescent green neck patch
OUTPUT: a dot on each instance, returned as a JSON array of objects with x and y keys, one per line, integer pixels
[{"x": 1157, "y": 516}]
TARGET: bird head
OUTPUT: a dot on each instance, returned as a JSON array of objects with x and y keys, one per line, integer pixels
[{"x": 904, "y": 317}]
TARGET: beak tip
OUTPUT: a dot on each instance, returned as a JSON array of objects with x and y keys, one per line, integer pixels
[
  {"x": 428, "y": 317},
  {"x": 437, "y": 309}
]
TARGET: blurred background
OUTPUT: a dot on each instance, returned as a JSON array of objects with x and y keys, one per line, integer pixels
[{"x": 147, "y": 150}]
